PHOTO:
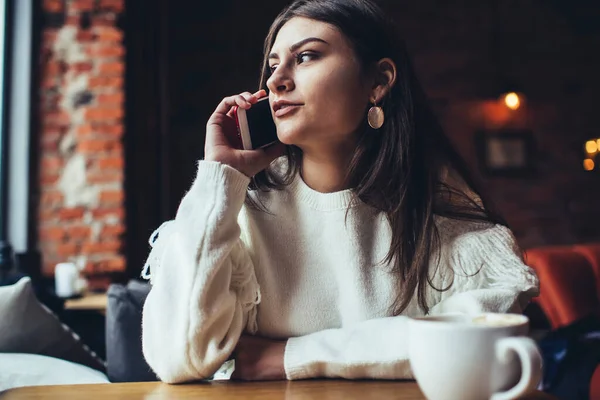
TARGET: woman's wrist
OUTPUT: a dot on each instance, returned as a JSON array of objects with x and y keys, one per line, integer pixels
[{"x": 226, "y": 161}]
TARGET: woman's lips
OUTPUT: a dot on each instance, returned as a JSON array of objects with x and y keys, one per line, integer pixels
[{"x": 286, "y": 110}]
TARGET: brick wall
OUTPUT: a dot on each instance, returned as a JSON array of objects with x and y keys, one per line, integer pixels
[{"x": 81, "y": 212}]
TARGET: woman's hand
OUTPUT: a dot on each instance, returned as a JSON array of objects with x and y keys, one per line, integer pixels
[
  {"x": 221, "y": 125},
  {"x": 259, "y": 359}
]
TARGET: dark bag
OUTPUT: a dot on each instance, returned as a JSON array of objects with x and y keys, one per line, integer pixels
[{"x": 571, "y": 355}]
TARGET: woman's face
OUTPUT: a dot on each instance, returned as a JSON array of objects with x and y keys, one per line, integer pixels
[{"x": 318, "y": 94}]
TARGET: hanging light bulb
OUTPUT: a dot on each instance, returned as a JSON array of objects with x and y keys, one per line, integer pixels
[
  {"x": 512, "y": 100},
  {"x": 591, "y": 146}
]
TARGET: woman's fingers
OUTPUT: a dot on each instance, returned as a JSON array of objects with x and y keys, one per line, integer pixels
[
  {"x": 250, "y": 98},
  {"x": 243, "y": 100},
  {"x": 260, "y": 94},
  {"x": 228, "y": 102}
]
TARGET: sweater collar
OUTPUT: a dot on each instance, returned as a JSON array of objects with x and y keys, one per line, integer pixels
[{"x": 322, "y": 201}]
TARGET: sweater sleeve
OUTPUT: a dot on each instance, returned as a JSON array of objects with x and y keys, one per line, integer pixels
[
  {"x": 489, "y": 276},
  {"x": 204, "y": 291}
]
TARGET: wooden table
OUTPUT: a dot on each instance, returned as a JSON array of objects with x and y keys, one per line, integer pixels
[
  {"x": 222, "y": 390},
  {"x": 88, "y": 302}
]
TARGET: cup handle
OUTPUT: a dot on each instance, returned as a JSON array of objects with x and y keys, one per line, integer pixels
[{"x": 531, "y": 365}]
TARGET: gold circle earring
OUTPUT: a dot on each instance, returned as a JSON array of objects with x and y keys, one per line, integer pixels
[{"x": 376, "y": 117}]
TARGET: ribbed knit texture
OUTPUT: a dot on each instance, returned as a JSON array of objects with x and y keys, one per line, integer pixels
[{"x": 309, "y": 270}]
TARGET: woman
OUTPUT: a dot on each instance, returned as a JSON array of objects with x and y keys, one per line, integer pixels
[{"x": 347, "y": 227}]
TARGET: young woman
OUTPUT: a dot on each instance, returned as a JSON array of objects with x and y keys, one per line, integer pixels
[{"x": 305, "y": 259}]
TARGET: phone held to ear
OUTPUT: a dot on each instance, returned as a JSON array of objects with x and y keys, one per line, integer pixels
[{"x": 256, "y": 128}]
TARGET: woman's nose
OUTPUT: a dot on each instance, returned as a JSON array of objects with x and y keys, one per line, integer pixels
[{"x": 280, "y": 81}]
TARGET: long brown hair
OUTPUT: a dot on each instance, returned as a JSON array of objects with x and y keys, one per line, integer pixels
[{"x": 397, "y": 170}]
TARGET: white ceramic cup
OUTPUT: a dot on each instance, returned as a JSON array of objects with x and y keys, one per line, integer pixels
[
  {"x": 67, "y": 280},
  {"x": 473, "y": 357}
]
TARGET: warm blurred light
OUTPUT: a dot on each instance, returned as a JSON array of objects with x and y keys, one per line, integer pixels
[
  {"x": 598, "y": 143},
  {"x": 591, "y": 146},
  {"x": 512, "y": 100},
  {"x": 588, "y": 164}
]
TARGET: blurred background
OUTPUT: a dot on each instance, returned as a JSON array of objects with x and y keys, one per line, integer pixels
[{"x": 105, "y": 104}]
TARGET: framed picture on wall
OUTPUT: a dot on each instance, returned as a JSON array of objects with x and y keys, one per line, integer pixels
[{"x": 505, "y": 152}]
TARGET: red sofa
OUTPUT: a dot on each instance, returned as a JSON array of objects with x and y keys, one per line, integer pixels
[{"x": 569, "y": 287}]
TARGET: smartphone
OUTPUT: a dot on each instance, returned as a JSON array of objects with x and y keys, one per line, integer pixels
[{"x": 256, "y": 128}]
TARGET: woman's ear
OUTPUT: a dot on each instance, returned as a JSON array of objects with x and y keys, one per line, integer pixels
[{"x": 385, "y": 78}]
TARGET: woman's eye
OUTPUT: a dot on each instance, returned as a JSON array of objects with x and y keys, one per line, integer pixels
[
  {"x": 304, "y": 57},
  {"x": 272, "y": 68}
]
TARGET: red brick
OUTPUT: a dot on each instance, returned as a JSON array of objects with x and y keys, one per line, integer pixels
[
  {"x": 51, "y": 162},
  {"x": 53, "y": 6},
  {"x": 50, "y": 146},
  {"x": 117, "y": 212},
  {"x": 110, "y": 37},
  {"x": 114, "y": 131},
  {"x": 85, "y": 36},
  {"x": 73, "y": 20},
  {"x": 94, "y": 145},
  {"x": 116, "y": 151},
  {"x": 51, "y": 68},
  {"x": 112, "y": 69},
  {"x": 50, "y": 82},
  {"x": 105, "y": 82},
  {"x": 56, "y": 119},
  {"x": 49, "y": 104},
  {"x": 114, "y": 51},
  {"x": 51, "y": 132},
  {"x": 80, "y": 67},
  {"x": 67, "y": 249},
  {"x": 49, "y": 35},
  {"x": 110, "y": 246},
  {"x": 78, "y": 6},
  {"x": 45, "y": 214},
  {"x": 104, "y": 177},
  {"x": 53, "y": 233},
  {"x": 50, "y": 142},
  {"x": 83, "y": 130},
  {"x": 71, "y": 213},
  {"x": 112, "y": 230},
  {"x": 113, "y": 5},
  {"x": 111, "y": 196},
  {"x": 79, "y": 232},
  {"x": 49, "y": 179},
  {"x": 117, "y": 148},
  {"x": 116, "y": 99},
  {"x": 103, "y": 19},
  {"x": 108, "y": 34},
  {"x": 103, "y": 114}
]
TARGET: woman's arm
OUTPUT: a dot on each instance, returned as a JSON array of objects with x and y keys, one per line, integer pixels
[
  {"x": 489, "y": 276},
  {"x": 204, "y": 291}
]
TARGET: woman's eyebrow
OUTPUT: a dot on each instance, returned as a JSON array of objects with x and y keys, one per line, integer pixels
[{"x": 296, "y": 46}]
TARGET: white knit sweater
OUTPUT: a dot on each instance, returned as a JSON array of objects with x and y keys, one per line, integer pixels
[{"x": 308, "y": 270}]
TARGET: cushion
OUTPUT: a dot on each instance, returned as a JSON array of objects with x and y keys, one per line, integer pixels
[
  {"x": 17, "y": 369},
  {"x": 27, "y": 326},
  {"x": 125, "y": 361}
]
